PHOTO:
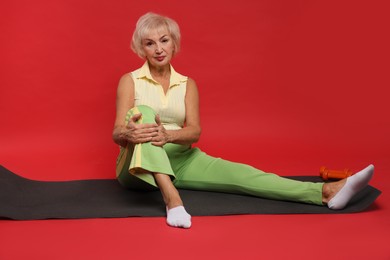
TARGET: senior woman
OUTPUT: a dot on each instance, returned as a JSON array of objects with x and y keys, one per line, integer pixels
[{"x": 157, "y": 121}]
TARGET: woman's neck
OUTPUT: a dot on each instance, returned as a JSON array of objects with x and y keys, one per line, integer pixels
[{"x": 162, "y": 72}]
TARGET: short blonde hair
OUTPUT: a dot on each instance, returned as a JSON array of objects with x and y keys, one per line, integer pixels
[{"x": 152, "y": 21}]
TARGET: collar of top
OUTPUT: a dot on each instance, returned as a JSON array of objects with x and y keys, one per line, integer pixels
[{"x": 174, "y": 80}]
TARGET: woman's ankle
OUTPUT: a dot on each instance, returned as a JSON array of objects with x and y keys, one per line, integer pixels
[
  {"x": 329, "y": 190},
  {"x": 173, "y": 202}
]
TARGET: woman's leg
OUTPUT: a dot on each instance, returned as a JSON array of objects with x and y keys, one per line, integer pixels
[
  {"x": 204, "y": 172},
  {"x": 169, "y": 192},
  {"x": 177, "y": 216},
  {"x": 142, "y": 160},
  {"x": 147, "y": 167}
]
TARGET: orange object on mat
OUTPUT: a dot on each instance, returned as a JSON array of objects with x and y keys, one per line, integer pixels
[{"x": 327, "y": 174}]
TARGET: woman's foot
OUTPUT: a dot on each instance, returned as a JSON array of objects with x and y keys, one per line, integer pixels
[
  {"x": 338, "y": 194},
  {"x": 178, "y": 217}
]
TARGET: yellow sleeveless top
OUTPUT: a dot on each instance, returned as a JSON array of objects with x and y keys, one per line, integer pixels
[{"x": 170, "y": 106}]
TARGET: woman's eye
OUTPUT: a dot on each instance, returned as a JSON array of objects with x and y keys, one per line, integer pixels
[
  {"x": 149, "y": 44},
  {"x": 165, "y": 40}
]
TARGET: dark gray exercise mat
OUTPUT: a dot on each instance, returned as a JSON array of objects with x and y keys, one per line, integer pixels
[{"x": 24, "y": 199}]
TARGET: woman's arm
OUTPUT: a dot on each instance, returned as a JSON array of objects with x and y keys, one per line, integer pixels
[
  {"x": 131, "y": 133},
  {"x": 192, "y": 130}
]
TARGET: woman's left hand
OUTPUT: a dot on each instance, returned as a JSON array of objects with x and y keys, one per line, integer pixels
[{"x": 162, "y": 135}]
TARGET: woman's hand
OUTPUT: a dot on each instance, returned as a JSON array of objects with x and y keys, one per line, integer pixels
[
  {"x": 162, "y": 136},
  {"x": 140, "y": 133}
]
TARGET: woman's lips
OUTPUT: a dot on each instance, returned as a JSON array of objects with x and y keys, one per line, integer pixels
[{"x": 161, "y": 58}]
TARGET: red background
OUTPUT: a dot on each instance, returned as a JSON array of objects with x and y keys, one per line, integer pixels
[{"x": 286, "y": 86}]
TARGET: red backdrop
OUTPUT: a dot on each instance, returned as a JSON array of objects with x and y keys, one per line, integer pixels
[
  {"x": 286, "y": 86},
  {"x": 297, "y": 84}
]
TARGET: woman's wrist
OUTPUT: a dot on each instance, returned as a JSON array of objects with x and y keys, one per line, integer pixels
[
  {"x": 119, "y": 136},
  {"x": 169, "y": 136}
]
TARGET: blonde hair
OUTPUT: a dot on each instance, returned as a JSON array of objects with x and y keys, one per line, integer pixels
[{"x": 152, "y": 21}]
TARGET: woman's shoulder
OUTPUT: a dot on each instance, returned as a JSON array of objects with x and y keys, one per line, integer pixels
[
  {"x": 126, "y": 77},
  {"x": 191, "y": 82},
  {"x": 125, "y": 81}
]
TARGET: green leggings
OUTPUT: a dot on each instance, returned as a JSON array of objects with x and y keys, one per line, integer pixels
[{"x": 190, "y": 168}]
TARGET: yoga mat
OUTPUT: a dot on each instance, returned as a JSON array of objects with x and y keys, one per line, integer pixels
[{"x": 24, "y": 199}]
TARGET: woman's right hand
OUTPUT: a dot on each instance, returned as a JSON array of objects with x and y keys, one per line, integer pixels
[{"x": 139, "y": 133}]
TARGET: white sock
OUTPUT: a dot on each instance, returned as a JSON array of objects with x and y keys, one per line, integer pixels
[
  {"x": 178, "y": 217},
  {"x": 353, "y": 185}
]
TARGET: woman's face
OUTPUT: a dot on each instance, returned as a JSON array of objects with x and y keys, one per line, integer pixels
[{"x": 158, "y": 47}]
